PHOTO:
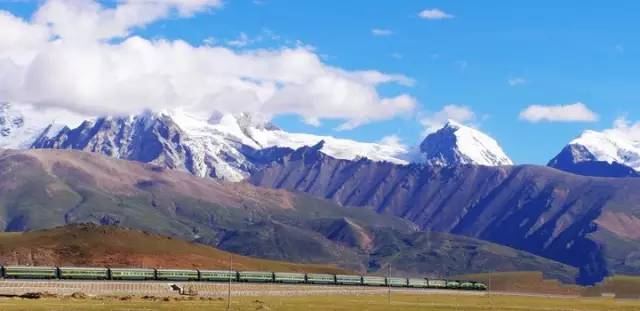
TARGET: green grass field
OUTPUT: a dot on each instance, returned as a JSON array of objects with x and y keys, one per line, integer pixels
[{"x": 324, "y": 303}]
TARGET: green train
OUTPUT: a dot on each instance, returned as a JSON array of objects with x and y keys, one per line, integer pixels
[{"x": 185, "y": 275}]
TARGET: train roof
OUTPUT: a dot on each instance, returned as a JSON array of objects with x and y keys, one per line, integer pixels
[{"x": 29, "y": 267}]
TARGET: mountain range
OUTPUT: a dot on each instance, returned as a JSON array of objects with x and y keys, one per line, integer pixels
[
  {"x": 458, "y": 182},
  {"x": 232, "y": 146},
  {"x": 587, "y": 222},
  {"x": 50, "y": 188}
]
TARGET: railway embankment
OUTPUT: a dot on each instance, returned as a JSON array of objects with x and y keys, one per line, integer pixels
[{"x": 167, "y": 289}]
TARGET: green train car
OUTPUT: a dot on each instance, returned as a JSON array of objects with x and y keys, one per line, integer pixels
[
  {"x": 467, "y": 285},
  {"x": 480, "y": 286},
  {"x": 255, "y": 276},
  {"x": 80, "y": 273},
  {"x": 418, "y": 283},
  {"x": 218, "y": 276},
  {"x": 24, "y": 272},
  {"x": 437, "y": 284},
  {"x": 453, "y": 284},
  {"x": 176, "y": 275},
  {"x": 319, "y": 278},
  {"x": 132, "y": 274},
  {"x": 287, "y": 277},
  {"x": 397, "y": 282},
  {"x": 342, "y": 279},
  {"x": 374, "y": 281}
]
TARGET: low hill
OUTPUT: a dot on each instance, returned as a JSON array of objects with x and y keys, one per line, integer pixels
[{"x": 97, "y": 246}]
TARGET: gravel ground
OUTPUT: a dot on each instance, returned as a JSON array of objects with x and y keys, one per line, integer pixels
[{"x": 164, "y": 289}]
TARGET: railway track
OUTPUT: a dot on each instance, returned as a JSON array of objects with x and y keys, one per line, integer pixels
[{"x": 167, "y": 289}]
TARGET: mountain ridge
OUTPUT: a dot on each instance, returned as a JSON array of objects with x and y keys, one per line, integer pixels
[
  {"x": 49, "y": 188},
  {"x": 222, "y": 146},
  {"x": 534, "y": 208}
]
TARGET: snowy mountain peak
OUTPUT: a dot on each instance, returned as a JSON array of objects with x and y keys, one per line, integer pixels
[
  {"x": 10, "y": 120},
  {"x": 453, "y": 124},
  {"x": 596, "y": 153},
  {"x": 21, "y": 125},
  {"x": 456, "y": 144},
  {"x": 243, "y": 120}
]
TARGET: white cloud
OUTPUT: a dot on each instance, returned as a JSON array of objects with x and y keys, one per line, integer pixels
[
  {"x": 577, "y": 112},
  {"x": 45, "y": 63},
  {"x": 209, "y": 41},
  {"x": 434, "y": 14},
  {"x": 381, "y": 32},
  {"x": 624, "y": 128},
  {"x": 313, "y": 121},
  {"x": 393, "y": 141},
  {"x": 435, "y": 121},
  {"x": 516, "y": 81},
  {"x": 81, "y": 20},
  {"x": 397, "y": 55},
  {"x": 241, "y": 41},
  {"x": 244, "y": 40}
]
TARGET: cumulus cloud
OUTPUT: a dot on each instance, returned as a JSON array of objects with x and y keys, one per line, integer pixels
[
  {"x": 102, "y": 69},
  {"x": 434, "y": 14},
  {"x": 622, "y": 127},
  {"x": 577, "y": 112},
  {"x": 435, "y": 121},
  {"x": 381, "y": 32},
  {"x": 87, "y": 19}
]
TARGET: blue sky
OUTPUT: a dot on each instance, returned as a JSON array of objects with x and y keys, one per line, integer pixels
[{"x": 552, "y": 53}]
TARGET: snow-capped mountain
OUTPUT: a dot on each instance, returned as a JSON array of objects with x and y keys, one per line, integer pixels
[
  {"x": 456, "y": 144},
  {"x": 21, "y": 125},
  {"x": 607, "y": 154},
  {"x": 224, "y": 146},
  {"x": 258, "y": 134}
]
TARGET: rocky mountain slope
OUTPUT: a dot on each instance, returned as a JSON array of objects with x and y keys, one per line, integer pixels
[
  {"x": 48, "y": 188},
  {"x": 585, "y": 222},
  {"x": 456, "y": 144},
  {"x": 223, "y": 146},
  {"x": 606, "y": 154}
]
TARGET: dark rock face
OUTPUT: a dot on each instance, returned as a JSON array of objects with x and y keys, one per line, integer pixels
[
  {"x": 440, "y": 148},
  {"x": 578, "y": 160},
  {"x": 157, "y": 139},
  {"x": 537, "y": 209},
  {"x": 144, "y": 138}
]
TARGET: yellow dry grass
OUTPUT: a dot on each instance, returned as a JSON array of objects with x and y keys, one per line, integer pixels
[{"x": 399, "y": 302}]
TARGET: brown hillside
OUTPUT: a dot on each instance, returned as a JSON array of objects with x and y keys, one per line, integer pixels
[{"x": 92, "y": 245}]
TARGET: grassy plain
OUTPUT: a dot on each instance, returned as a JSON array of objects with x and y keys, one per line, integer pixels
[{"x": 403, "y": 302}]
